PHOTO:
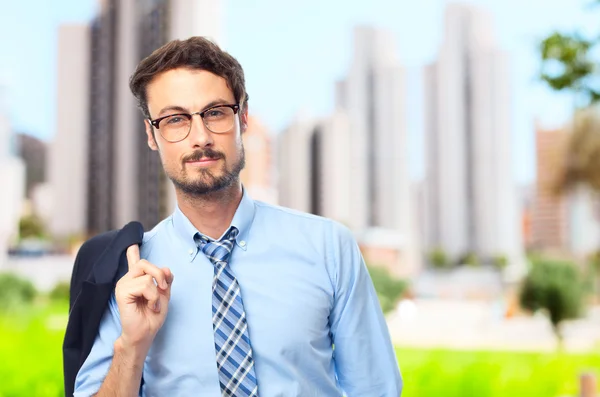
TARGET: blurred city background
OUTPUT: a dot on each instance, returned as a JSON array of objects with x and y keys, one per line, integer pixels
[{"x": 459, "y": 141}]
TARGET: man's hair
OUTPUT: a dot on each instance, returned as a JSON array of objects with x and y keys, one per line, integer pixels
[{"x": 194, "y": 53}]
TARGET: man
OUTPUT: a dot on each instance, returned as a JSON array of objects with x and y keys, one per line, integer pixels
[{"x": 230, "y": 296}]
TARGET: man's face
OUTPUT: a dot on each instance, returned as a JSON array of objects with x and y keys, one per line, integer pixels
[{"x": 204, "y": 161}]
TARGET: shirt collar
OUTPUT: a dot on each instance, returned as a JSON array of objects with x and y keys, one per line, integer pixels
[{"x": 242, "y": 220}]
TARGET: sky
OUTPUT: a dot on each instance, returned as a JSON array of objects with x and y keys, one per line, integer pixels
[{"x": 294, "y": 52}]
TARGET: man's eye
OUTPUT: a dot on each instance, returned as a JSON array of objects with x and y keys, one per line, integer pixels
[
  {"x": 215, "y": 113},
  {"x": 176, "y": 120}
]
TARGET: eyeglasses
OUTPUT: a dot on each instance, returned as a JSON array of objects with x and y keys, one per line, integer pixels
[{"x": 176, "y": 127}]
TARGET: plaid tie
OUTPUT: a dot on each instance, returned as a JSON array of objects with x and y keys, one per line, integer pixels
[{"x": 232, "y": 343}]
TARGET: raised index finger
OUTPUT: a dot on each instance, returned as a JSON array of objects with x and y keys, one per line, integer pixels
[{"x": 133, "y": 255}]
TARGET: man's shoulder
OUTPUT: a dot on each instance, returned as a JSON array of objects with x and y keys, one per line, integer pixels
[
  {"x": 160, "y": 228},
  {"x": 292, "y": 217},
  {"x": 277, "y": 211}
]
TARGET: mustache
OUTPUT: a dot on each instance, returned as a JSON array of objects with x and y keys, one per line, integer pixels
[{"x": 207, "y": 153}]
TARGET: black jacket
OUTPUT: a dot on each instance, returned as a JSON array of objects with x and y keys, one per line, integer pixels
[{"x": 97, "y": 267}]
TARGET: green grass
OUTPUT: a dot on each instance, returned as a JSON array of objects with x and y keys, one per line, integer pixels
[
  {"x": 492, "y": 374},
  {"x": 31, "y": 351},
  {"x": 31, "y": 364}
]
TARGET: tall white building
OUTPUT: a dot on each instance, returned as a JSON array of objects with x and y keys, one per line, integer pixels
[
  {"x": 142, "y": 191},
  {"x": 295, "y": 159},
  {"x": 331, "y": 172},
  {"x": 102, "y": 172},
  {"x": 12, "y": 178},
  {"x": 193, "y": 18},
  {"x": 373, "y": 96},
  {"x": 68, "y": 154},
  {"x": 353, "y": 165},
  {"x": 472, "y": 201},
  {"x": 314, "y": 167}
]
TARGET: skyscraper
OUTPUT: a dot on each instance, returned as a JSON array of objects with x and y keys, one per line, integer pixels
[
  {"x": 69, "y": 156},
  {"x": 372, "y": 95},
  {"x": 358, "y": 156},
  {"x": 472, "y": 203},
  {"x": 124, "y": 178},
  {"x": 258, "y": 175},
  {"x": 352, "y": 166},
  {"x": 295, "y": 160},
  {"x": 314, "y": 167}
]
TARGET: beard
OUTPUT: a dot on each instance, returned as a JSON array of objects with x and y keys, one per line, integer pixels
[{"x": 208, "y": 181}]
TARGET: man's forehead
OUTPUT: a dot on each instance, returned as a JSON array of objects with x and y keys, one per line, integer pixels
[
  {"x": 186, "y": 77},
  {"x": 186, "y": 88}
]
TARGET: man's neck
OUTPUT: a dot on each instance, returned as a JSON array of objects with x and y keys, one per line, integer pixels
[{"x": 211, "y": 214}]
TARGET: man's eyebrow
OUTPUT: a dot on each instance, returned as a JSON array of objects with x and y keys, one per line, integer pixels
[
  {"x": 216, "y": 102},
  {"x": 171, "y": 109},
  {"x": 180, "y": 109}
]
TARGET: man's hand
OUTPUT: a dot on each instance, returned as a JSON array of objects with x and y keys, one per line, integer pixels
[{"x": 143, "y": 300}]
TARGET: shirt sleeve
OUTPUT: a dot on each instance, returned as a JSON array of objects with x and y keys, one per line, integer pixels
[
  {"x": 95, "y": 368},
  {"x": 364, "y": 357}
]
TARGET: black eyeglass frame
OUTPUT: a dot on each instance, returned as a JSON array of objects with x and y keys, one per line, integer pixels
[{"x": 155, "y": 123}]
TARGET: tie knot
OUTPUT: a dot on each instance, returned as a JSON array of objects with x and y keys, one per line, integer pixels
[{"x": 218, "y": 251}]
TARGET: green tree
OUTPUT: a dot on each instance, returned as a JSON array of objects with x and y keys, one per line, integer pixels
[
  {"x": 31, "y": 227},
  {"x": 60, "y": 292},
  {"x": 568, "y": 65},
  {"x": 469, "y": 259},
  {"x": 438, "y": 258},
  {"x": 389, "y": 288},
  {"x": 15, "y": 292},
  {"x": 556, "y": 287},
  {"x": 500, "y": 261},
  {"x": 593, "y": 273}
]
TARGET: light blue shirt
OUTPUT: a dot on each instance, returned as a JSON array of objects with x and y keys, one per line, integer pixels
[{"x": 305, "y": 288}]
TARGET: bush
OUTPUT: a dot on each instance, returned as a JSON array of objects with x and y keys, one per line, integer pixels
[
  {"x": 469, "y": 259},
  {"x": 438, "y": 258},
  {"x": 500, "y": 261},
  {"x": 15, "y": 291},
  {"x": 31, "y": 227},
  {"x": 557, "y": 288},
  {"x": 60, "y": 292},
  {"x": 389, "y": 289}
]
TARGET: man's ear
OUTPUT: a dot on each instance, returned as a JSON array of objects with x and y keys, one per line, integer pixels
[
  {"x": 150, "y": 134},
  {"x": 244, "y": 119}
]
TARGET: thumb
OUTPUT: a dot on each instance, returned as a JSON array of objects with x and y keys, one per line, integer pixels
[
  {"x": 169, "y": 277},
  {"x": 133, "y": 255}
]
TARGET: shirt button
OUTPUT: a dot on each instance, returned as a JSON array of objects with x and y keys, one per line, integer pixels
[
  {"x": 242, "y": 243},
  {"x": 191, "y": 252}
]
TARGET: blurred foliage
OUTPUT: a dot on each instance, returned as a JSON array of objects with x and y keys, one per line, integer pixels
[
  {"x": 60, "y": 292},
  {"x": 568, "y": 64},
  {"x": 555, "y": 287},
  {"x": 500, "y": 261},
  {"x": 582, "y": 165},
  {"x": 469, "y": 259},
  {"x": 15, "y": 292},
  {"x": 438, "y": 259},
  {"x": 453, "y": 373},
  {"x": 31, "y": 226},
  {"x": 389, "y": 288},
  {"x": 593, "y": 271}
]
